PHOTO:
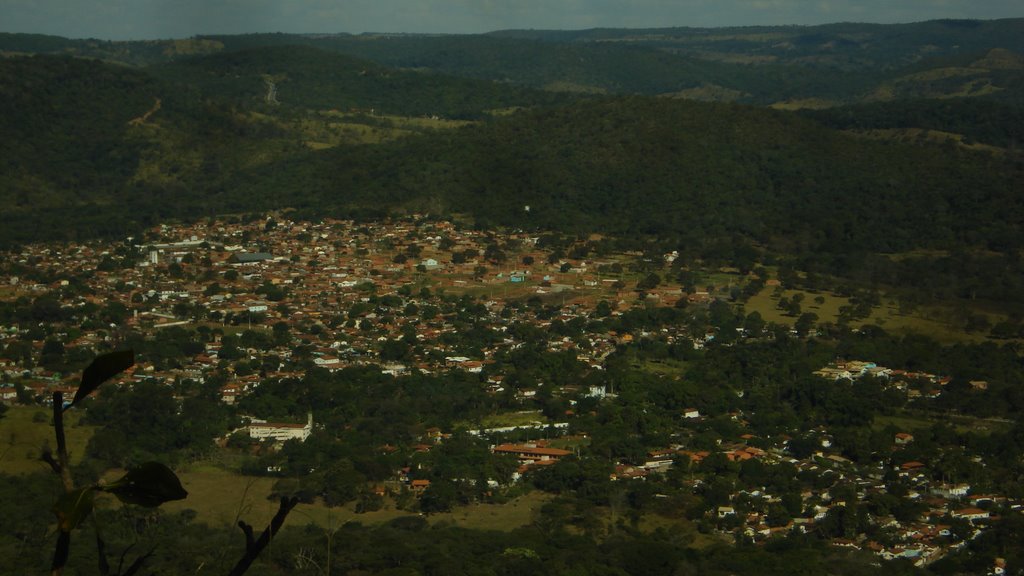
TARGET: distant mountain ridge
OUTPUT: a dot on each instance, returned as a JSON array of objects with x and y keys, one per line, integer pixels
[
  {"x": 99, "y": 148},
  {"x": 692, "y": 171},
  {"x": 760, "y": 65}
]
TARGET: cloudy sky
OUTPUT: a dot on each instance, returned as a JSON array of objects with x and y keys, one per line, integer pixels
[{"x": 142, "y": 19}]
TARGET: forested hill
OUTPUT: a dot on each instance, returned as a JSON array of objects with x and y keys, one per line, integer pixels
[
  {"x": 993, "y": 122},
  {"x": 792, "y": 65},
  {"x": 847, "y": 44},
  {"x": 592, "y": 67},
  {"x": 796, "y": 65},
  {"x": 101, "y": 149},
  {"x": 311, "y": 78},
  {"x": 689, "y": 170},
  {"x": 82, "y": 136},
  {"x": 65, "y": 128}
]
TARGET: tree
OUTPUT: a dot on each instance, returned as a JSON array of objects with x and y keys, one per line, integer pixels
[
  {"x": 793, "y": 309},
  {"x": 805, "y": 323},
  {"x": 753, "y": 324},
  {"x": 52, "y": 355},
  {"x": 440, "y": 496},
  {"x": 149, "y": 484},
  {"x": 649, "y": 282}
]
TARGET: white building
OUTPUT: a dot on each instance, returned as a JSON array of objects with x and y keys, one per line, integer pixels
[{"x": 282, "y": 431}]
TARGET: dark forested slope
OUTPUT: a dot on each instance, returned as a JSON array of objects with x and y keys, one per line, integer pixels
[
  {"x": 836, "y": 63},
  {"x": 64, "y": 126},
  {"x": 92, "y": 140},
  {"x": 307, "y": 77},
  {"x": 87, "y": 156},
  {"x": 848, "y": 45},
  {"x": 681, "y": 169},
  {"x": 987, "y": 121}
]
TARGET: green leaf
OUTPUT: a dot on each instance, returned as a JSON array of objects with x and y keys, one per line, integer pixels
[
  {"x": 149, "y": 484},
  {"x": 103, "y": 368},
  {"x": 73, "y": 507}
]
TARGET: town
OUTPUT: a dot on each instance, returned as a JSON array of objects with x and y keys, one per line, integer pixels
[{"x": 243, "y": 304}]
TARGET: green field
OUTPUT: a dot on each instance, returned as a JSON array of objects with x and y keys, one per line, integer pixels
[
  {"x": 666, "y": 367},
  {"x": 765, "y": 302},
  {"x": 334, "y": 128},
  {"x": 221, "y": 497},
  {"x": 962, "y": 424},
  {"x": 521, "y": 418},
  {"x": 930, "y": 320},
  {"x": 22, "y": 438}
]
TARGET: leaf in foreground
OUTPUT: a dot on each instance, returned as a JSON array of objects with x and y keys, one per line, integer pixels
[
  {"x": 103, "y": 368},
  {"x": 73, "y": 507},
  {"x": 150, "y": 484}
]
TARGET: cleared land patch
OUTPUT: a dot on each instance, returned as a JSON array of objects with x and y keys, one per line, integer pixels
[{"x": 24, "y": 430}]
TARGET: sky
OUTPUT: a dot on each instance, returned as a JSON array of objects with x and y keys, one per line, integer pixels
[{"x": 149, "y": 19}]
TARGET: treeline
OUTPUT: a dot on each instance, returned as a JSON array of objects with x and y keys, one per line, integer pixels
[
  {"x": 711, "y": 180},
  {"x": 369, "y": 424},
  {"x": 606, "y": 67},
  {"x": 407, "y": 545},
  {"x": 686, "y": 172},
  {"x": 849, "y": 45},
  {"x": 838, "y": 62},
  {"x": 981, "y": 120},
  {"x": 65, "y": 129},
  {"x": 311, "y": 78}
]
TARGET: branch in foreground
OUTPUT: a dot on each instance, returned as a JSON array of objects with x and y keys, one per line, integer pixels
[{"x": 254, "y": 546}]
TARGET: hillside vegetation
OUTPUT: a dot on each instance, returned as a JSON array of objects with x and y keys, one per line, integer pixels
[
  {"x": 695, "y": 172},
  {"x": 686, "y": 170},
  {"x": 837, "y": 63},
  {"x": 367, "y": 125}
]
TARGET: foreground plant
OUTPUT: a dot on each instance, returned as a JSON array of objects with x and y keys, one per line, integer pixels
[{"x": 149, "y": 484}]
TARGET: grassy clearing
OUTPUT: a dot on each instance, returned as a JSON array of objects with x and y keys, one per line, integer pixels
[
  {"x": 962, "y": 424},
  {"x": 923, "y": 135},
  {"x": 903, "y": 423},
  {"x": 22, "y": 438},
  {"x": 803, "y": 104},
  {"x": 335, "y": 128},
  {"x": 521, "y": 418},
  {"x": 220, "y": 497},
  {"x": 683, "y": 531},
  {"x": 765, "y": 303},
  {"x": 666, "y": 367},
  {"x": 570, "y": 442},
  {"x": 927, "y": 320},
  {"x": 720, "y": 280},
  {"x": 930, "y": 320},
  {"x": 502, "y": 517}
]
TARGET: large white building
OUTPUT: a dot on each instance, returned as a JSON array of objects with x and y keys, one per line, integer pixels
[{"x": 282, "y": 431}]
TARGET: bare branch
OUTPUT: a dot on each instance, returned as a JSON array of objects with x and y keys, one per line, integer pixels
[
  {"x": 101, "y": 552},
  {"x": 254, "y": 547},
  {"x": 47, "y": 457},
  {"x": 250, "y": 541},
  {"x": 60, "y": 467},
  {"x": 62, "y": 445},
  {"x": 60, "y": 553},
  {"x": 137, "y": 565}
]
